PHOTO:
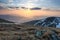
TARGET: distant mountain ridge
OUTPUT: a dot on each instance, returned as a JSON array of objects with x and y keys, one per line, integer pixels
[
  {"x": 12, "y": 18},
  {"x": 46, "y": 22},
  {"x": 5, "y": 21}
]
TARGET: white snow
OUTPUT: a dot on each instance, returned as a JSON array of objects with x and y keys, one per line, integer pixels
[{"x": 58, "y": 26}]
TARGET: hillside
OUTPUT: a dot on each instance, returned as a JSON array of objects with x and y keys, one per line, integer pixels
[
  {"x": 27, "y": 32},
  {"x": 7, "y": 25},
  {"x": 4, "y": 21},
  {"x": 30, "y": 33},
  {"x": 46, "y": 22}
]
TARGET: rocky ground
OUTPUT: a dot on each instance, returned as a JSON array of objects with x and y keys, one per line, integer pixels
[{"x": 28, "y": 33}]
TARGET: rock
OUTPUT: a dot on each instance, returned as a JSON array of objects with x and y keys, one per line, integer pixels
[
  {"x": 39, "y": 33},
  {"x": 44, "y": 35}
]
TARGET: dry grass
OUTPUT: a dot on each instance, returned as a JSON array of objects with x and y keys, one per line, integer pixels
[{"x": 24, "y": 33}]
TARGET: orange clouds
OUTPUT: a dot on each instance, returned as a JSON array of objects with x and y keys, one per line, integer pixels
[{"x": 30, "y": 13}]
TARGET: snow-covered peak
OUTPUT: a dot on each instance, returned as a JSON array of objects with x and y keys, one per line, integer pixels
[
  {"x": 46, "y": 22},
  {"x": 58, "y": 26},
  {"x": 49, "y": 22}
]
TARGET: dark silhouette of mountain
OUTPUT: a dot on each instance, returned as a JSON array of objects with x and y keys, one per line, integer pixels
[
  {"x": 4, "y": 21},
  {"x": 46, "y": 22},
  {"x": 31, "y": 22},
  {"x": 11, "y": 18}
]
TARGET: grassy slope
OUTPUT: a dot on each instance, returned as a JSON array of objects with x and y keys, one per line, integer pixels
[
  {"x": 25, "y": 32},
  {"x": 15, "y": 32}
]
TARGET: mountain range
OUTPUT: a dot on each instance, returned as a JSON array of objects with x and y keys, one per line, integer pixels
[
  {"x": 46, "y": 22},
  {"x": 4, "y": 21},
  {"x": 12, "y": 18}
]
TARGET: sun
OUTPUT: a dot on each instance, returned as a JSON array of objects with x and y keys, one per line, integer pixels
[{"x": 28, "y": 13}]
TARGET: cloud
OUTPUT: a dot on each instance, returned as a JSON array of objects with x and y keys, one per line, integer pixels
[
  {"x": 24, "y": 8},
  {"x": 51, "y": 9},
  {"x": 11, "y": 8},
  {"x": 31, "y": 3},
  {"x": 6, "y": 6},
  {"x": 36, "y": 8},
  {"x": 1, "y": 8},
  {"x": 2, "y": 4},
  {"x": 10, "y": 1}
]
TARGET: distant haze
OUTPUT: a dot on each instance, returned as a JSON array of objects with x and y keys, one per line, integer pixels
[{"x": 27, "y": 15}]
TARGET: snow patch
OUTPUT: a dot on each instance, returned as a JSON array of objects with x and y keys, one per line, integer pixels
[{"x": 58, "y": 26}]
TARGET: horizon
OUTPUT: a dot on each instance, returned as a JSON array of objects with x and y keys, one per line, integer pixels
[{"x": 25, "y": 10}]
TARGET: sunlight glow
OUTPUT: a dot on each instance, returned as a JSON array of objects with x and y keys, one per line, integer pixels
[{"x": 28, "y": 13}]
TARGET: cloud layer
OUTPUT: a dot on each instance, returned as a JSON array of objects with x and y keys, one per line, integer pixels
[{"x": 54, "y": 4}]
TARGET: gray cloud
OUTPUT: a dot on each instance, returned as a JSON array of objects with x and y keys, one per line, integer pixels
[
  {"x": 1, "y": 8},
  {"x": 35, "y": 8}
]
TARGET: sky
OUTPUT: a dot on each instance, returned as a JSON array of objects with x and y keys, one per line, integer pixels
[
  {"x": 31, "y": 3},
  {"x": 30, "y": 9}
]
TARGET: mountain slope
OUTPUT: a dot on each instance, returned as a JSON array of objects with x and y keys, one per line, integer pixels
[
  {"x": 16, "y": 32},
  {"x": 6, "y": 25},
  {"x": 4, "y": 21},
  {"x": 46, "y": 22}
]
